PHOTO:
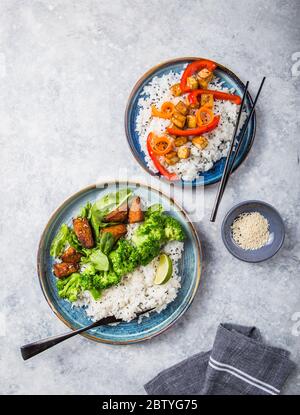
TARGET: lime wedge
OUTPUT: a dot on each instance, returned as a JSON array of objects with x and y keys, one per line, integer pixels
[{"x": 164, "y": 270}]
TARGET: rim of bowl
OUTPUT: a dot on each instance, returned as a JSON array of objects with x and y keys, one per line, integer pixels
[
  {"x": 132, "y": 94},
  {"x": 42, "y": 274},
  {"x": 245, "y": 203}
]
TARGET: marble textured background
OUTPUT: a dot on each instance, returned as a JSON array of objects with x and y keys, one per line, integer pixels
[{"x": 66, "y": 70}]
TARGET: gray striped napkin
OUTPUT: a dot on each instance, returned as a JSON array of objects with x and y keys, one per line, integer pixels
[{"x": 240, "y": 363}]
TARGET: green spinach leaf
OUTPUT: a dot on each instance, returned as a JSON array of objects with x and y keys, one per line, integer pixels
[{"x": 60, "y": 241}]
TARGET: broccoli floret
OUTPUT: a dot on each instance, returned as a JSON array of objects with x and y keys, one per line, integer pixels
[
  {"x": 157, "y": 229},
  {"x": 89, "y": 270},
  {"x": 95, "y": 282},
  {"x": 151, "y": 230},
  {"x": 148, "y": 230},
  {"x": 69, "y": 287},
  {"x": 154, "y": 235},
  {"x": 173, "y": 229},
  {"x": 106, "y": 280},
  {"x": 124, "y": 259},
  {"x": 154, "y": 208},
  {"x": 155, "y": 221},
  {"x": 138, "y": 239},
  {"x": 86, "y": 277},
  {"x": 148, "y": 250}
]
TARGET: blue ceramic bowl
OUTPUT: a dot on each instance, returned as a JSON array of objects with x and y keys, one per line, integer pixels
[
  {"x": 177, "y": 65},
  {"x": 276, "y": 229},
  {"x": 123, "y": 333}
]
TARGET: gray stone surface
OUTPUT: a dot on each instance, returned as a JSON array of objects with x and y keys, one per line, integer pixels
[{"x": 67, "y": 68}]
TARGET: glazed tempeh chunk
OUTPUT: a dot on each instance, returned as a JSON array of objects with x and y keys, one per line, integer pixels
[
  {"x": 116, "y": 230},
  {"x": 83, "y": 232},
  {"x": 118, "y": 215},
  {"x": 71, "y": 256},
  {"x": 135, "y": 212},
  {"x": 62, "y": 270}
]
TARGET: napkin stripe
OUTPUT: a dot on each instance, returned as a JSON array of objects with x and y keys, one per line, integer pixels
[
  {"x": 232, "y": 372},
  {"x": 267, "y": 385}
]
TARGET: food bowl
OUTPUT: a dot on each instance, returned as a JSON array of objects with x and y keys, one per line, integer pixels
[
  {"x": 276, "y": 231},
  {"x": 229, "y": 79},
  {"x": 125, "y": 332}
]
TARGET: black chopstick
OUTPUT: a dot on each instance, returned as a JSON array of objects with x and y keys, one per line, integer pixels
[
  {"x": 227, "y": 163},
  {"x": 244, "y": 129}
]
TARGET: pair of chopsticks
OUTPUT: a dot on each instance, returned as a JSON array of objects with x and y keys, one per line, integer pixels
[{"x": 234, "y": 149}]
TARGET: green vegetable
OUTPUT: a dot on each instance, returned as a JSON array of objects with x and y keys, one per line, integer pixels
[
  {"x": 148, "y": 250},
  {"x": 104, "y": 206},
  {"x": 63, "y": 237},
  {"x": 112, "y": 201},
  {"x": 125, "y": 258},
  {"x": 157, "y": 229},
  {"x": 173, "y": 229},
  {"x": 86, "y": 277},
  {"x": 89, "y": 270},
  {"x": 96, "y": 220},
  {"x": 91, "y": 279},
  {"x": 95, "y": 214},
  {"x": 154, "y": 208},
  {"x": 153, "y": 227},
  {"x": 148, "y": 239},
  {"x": 105, "y": 280},
  {"x": 96, "y": 258},
  {"x": 99, "y": 260},
  {"x": 69, "y": 287},
  {"x": 160, "y": 225},
  {"x": 106, "y": 242},
  {"x": 73, "y": 241},
  {"x": 95, "y": 293},
  {"x": 59, "y": 241},
  {"x": 85, "y": 211}
]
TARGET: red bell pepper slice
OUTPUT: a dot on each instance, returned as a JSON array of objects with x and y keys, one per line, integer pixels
[
  {"x": 193, "y": 96},
  {"x": 195, "y": 67},
  {"x": 162, "y": 170},
  {"x": 196, "y": 131}
]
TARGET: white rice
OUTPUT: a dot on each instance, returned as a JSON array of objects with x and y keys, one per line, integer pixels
[
  {"x": 156, "y": 92},
  {"x": 136, "y": 292}
]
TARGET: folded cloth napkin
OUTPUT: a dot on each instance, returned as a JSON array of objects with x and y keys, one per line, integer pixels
[{"x": 240, "y": 363}]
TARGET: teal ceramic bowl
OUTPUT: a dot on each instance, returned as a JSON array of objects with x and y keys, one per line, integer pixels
[
  {"x": 123, "y": 333},
  {"x": 229, "y": 79}
]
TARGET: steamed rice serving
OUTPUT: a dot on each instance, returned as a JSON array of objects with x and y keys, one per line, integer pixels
[{"x": 137, "y": 291}]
